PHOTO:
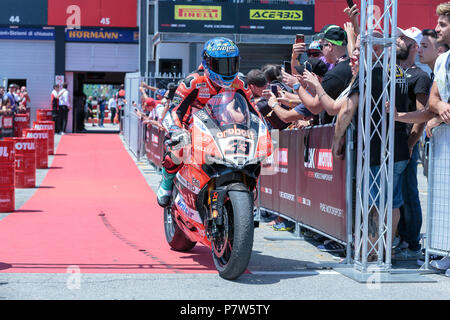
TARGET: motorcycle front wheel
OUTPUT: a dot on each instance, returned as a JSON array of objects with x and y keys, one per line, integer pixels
[
  {"x": 174, "y": 235},
  {"x": 232, "y": 248}
]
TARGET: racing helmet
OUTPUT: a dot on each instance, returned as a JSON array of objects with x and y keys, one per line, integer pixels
[{"x": 221, "y": 60}]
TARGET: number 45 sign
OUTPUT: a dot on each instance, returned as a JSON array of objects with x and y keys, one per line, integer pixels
[{"x": 92, "y": 13}]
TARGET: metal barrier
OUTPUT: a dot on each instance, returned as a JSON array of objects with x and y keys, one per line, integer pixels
[
  {"x": 161, "y": 80},
  {"x": 438, "y": 212},
  {"x": 132, "y": 127},
  {"x": 133, "y": 130}
]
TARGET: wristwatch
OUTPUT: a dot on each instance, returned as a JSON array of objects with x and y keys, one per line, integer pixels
[
  {"x": 274, "y": 105},
  {"x": 296, "y": 86}
]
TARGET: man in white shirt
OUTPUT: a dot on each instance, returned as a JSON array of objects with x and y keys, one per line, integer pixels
[
  {"x": 112, "y": 107},
  {"x": 64, "y": 106},
  {"x": 440, "y": 92}
]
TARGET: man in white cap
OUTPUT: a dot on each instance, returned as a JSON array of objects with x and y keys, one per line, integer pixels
[{"x": 419, "y": 83}]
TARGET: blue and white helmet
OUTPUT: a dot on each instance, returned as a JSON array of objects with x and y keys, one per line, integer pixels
[{"x": 221, "y": 60}]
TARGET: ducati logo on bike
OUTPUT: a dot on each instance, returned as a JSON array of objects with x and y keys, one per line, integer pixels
[{"x": 234, "y": 131}]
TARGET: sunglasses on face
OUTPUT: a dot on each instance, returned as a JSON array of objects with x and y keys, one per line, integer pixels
[{"x": 314, "y": 54}]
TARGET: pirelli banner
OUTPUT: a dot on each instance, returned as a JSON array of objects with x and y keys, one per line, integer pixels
[
  {"x": 196, "y": 17},
  {"x": 307, "y": 184}
]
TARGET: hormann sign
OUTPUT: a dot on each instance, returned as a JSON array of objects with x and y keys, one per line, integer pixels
[
  {"x": 196, "y": 17},
  {"x": 102, "y": 35}
]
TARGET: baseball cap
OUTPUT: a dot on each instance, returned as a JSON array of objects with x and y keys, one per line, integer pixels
[
  {"x": 318, "y": 67},
  {"x": 334, "y": 34},
  {"x": 412, "y": 33},
  {"x": 160, "y": 92},
  {"x": 314, "y": 46},
  {"x": 150, "y": 102}
]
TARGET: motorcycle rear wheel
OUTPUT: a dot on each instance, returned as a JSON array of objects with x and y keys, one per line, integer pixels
[
  {"x": 174, "y": 235},
  {"x": 232, "y": 250}
]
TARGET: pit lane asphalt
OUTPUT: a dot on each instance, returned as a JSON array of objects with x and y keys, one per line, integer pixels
[{"x": 281, "y": 269}]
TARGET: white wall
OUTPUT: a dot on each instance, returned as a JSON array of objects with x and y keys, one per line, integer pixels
[
  {"x": 173, "y": 51},
  {"x": 33, "y": 60},
  {"x": 102, "y": 57}
]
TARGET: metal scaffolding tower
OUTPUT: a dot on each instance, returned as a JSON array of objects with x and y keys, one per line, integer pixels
[{"x": 372, "y": 248}]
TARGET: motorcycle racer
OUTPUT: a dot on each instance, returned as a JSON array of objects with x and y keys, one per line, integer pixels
[{"x": 217, "y": 73}]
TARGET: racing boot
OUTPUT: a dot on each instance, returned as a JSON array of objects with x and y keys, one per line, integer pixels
[{"x": 165, "y": 188}]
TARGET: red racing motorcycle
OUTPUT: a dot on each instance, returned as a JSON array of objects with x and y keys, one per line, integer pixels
[{"x": 213, "y": 193}]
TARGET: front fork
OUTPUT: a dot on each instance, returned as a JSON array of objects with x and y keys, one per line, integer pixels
[
  {"x": 216, "y": 200},
  {"x": 215, "y": 214}
]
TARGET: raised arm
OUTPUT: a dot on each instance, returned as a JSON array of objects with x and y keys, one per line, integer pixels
[{"x": 438, "y": 106}]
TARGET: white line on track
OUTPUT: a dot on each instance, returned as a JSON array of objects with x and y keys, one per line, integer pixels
[{"x": 305, "y": 272}]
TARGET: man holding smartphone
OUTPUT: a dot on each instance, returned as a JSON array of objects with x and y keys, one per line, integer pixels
[
  {"x": 336, "y": 80},
  {"x": 298, "y": 48}
]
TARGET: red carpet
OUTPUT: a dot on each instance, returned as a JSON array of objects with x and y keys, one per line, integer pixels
[{"x": 94, "y": 210}]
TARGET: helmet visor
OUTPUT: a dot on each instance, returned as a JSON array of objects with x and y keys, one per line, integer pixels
[{"x": 224, "y": 66}]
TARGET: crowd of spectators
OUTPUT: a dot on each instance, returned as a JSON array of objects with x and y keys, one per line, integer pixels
[{"x": 15, "y": 100}]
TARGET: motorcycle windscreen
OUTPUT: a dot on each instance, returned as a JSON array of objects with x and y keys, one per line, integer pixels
[{"x": 228, "y": 108}]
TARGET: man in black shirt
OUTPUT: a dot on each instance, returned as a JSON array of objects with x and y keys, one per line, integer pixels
[
  {"x": 336, "y": 80},
  {"x": 401, "y": 151},
  {"x": 419, "y": 84}
]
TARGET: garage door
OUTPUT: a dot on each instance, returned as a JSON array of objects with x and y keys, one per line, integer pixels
[
  {"x": 33, "y": 61},
  {"x": 102, "y": 57}
]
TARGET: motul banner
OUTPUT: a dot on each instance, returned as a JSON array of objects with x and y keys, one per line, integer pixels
[{"x": 309, "y": 184}]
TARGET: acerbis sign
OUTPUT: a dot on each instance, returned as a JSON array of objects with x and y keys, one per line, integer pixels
[{"x": 258, "y": 14}]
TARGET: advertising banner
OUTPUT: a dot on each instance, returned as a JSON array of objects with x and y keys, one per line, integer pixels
[
  {"x": 198, "y": 17},
  {"x": 6, "y": 126},
  {"x": 154, "y": 149},
  {"x": 27, "y": 34},
  {"x": 287, "y": 172},
  {"x": 309, "y": 185},
  {"x": 102, "y": 35},
  {"x": 275, "y": 19}
]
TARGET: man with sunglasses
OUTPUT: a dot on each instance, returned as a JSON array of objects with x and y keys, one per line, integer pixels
[
  {"x": 336, "y": 80},
  {"x": 315, "y": 51}
]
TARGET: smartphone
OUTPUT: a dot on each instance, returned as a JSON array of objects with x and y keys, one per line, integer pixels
[
  {"x": 350, "y": 3},
  {"x": 274, "y": 89},
  {"x": 308, "y": 66},
  {"x": 287, "y": 66},
  {"x": 299, "y": 38}
]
